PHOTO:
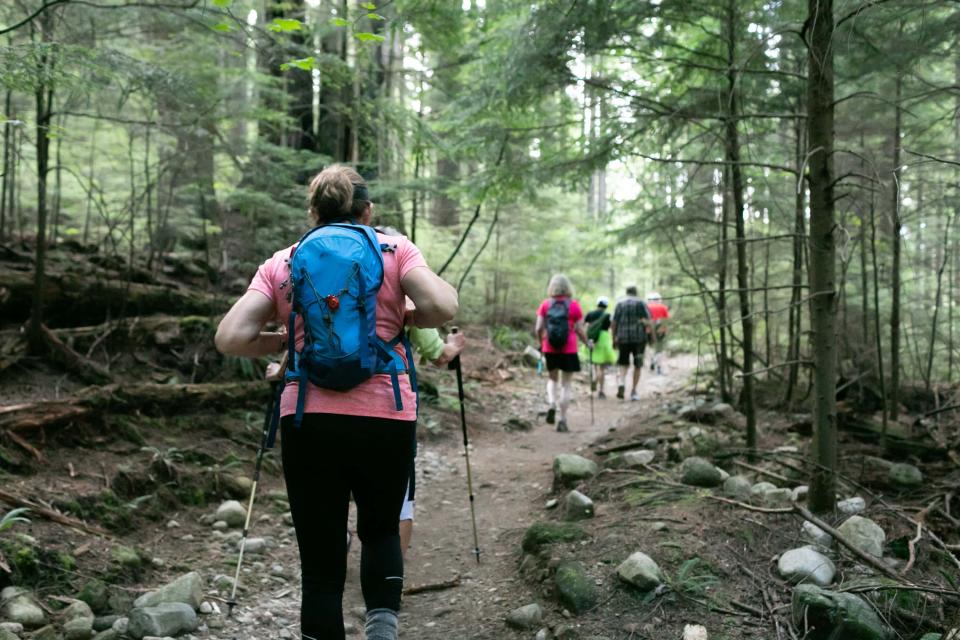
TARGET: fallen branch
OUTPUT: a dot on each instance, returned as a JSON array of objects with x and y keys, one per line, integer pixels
[
  {"x": 775, "y": 476},
  {"x": 23, "y": 444},
  {"x": 635, "y": 444},
  {"x": 52, "y": 515},
  {"x": 433, "y": 586},
  {"x": 750, "y": 507}
]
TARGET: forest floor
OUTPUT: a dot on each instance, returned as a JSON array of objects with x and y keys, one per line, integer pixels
[{"x": 123, "y": 482}]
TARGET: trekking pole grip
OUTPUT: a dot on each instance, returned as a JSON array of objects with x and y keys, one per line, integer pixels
[{"x": 453, "y": 364}]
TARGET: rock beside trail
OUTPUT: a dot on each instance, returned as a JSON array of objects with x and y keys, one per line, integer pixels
[
  {"x": 236, "y": 486},
  {"x": 576, "y": 589},
  {"x": 699, "y": 472},
  {"x": 694, "y": 632},
  {"x": 96, "y": 594},
  {"x": 48, "y": 632},
  {"x": 543, "y": 533},
  {"x": 637, "y": 459},
  {"x": 777, "y": 498},
  {"x": 831, "y": 614},
  {"x": 864, "y": 534},
  {"x": 760, "y": 488},
  {"x": 20, "y": 606},
  {"x": 232, "y": 512},
  {"x": 527, "y": 617},
  {"x": 167, "y": 619},
  {"x": 8, "y": 635},
  {"x": 569, "y": 469},
  {"x": 905, "y": 476},
  {"x": 852, "y": 506},
  {"x": 807, "y": 565},
  {"x": 187, "y": 589},
  {"x": 815, "y": 534},
  {"x": 577, "y": 506},
  {"x": 641, "y": 571},
  {"x": 737, "y": 487}
]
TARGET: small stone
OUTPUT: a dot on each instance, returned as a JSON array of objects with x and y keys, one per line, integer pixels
[
  {"x": 127, "y": 558},
  {"x": 569, "y": 469},
  {"x": 48, "y": 632},
  {"x": 852, "y": 506},
  {"x": 816, "y": 535},
  {"x": 737, "y": 487},
  {"x": 577, "y": 506},
  {"x": 865, "y": 534},
  {"x": 694, "y": 632},
  {"x": 173, "y": 524},
  {"x": 19, "y": 605},
  {"x": 77, "y": 609},
  {"x": 836, "y": 615},
  {"x": 94, "y": 593},
  {"x": 8, "y": 635},
  {"x": 637, "y": 459},
  {"x": 760, "y": 488},
  {"x": 223, "y": 583},
  {"x": 800, "y": 493},
  {"x": 806, "y": 564},
  {"x": 777, "y": 498},
  {"x": 167, "y": 619},
  {"x": 220, "y": 525},
  {"x": 542, "y": 634},
  {"x": 233, "y": 513},
  {"x": 78, "y": 628},
  {"x": 102, "y": 623},
  {"x": 255, "y": 546},
  {"x": 905, "y": 476},
  {"x": 551, "y": 503},
  {"x": 543, "y": 533},
  {"x": 699, "y": 472},
  {"x": 12, "y": 627},
  {"x": 576, "y": 589},
  {"x": 641, "y": 571},
  {"x": 525, "y": 617},
  {"x": 206, "y": 608},
  {"x": 187, "y": 588}
]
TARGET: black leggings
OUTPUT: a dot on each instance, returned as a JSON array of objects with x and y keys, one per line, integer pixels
[{"x": 325, "y": 460}]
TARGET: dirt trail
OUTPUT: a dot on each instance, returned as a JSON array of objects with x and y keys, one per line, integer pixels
[{"x": 512, "y": 472}]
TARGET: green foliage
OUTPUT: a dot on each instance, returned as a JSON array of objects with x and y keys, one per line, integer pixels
[
  {"x": 693, "y": 578},
  {"x": 13, "y": 517}
]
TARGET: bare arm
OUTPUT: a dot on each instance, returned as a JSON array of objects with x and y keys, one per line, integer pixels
[
  {"x": 239, "y": 333},
  {"x": 436, "y": 301},
  {"x": 540, "y": 329},
  {"x": 581, "y": 330}
]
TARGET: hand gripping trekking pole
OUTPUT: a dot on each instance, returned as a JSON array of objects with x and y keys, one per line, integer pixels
[
  {"x": 253, "y": 492},
  {"x": 455, "y": 365},
  {"x": 590, "y": 366}
]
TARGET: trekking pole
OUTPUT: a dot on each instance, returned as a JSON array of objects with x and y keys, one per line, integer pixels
[
  {"x": 267, "y": 420},
  {"x": 455, "y": 365},
  {"x": 590, "y": 366}
]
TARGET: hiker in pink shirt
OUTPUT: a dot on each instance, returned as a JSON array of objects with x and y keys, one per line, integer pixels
[{"x": 559, "y": 322}]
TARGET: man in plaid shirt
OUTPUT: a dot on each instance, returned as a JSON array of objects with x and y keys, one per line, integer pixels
[{"x": 630, "y": 329}]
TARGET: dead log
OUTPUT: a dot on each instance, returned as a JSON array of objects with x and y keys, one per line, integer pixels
[
  {"x": 52, "y": 515},
  {"x": 84, "y": 368},
  {"x": 148, "y": 398},
  {"x": 77, "y": 298}
]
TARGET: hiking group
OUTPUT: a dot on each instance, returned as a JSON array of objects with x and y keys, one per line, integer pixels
[
  {"x": 619, "y": 339},
  {"x": 352, "y": 303}
]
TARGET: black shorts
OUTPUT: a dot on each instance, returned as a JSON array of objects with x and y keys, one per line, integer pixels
[
  {"x": 631, "y": 348},
  {"x": 569, "y": 362}
]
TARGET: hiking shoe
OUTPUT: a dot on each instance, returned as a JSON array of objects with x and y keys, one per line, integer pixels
[
  {"x": 652, "y": 366},
  {"x": 620, "y": 392},
  {"x": 634, "y": 397},
  {"x": 602, "y": 395},
  {"x": 659, "y": 371},
  {"x": 562, "y": 426},
  {"x": 551, "y": 415}
]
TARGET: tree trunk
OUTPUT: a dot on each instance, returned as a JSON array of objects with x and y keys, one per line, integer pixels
[
  {"x": 724, "y": 259},
  {"x": 57, "y": 182},
  {"x": 936, "y": 306},
  {"x": 7, "y": 103},
  {"x": 743, "y": 279},
  {"x": 44, "y": 99},
  {"x": 796, "y": 292},
  {"x": 877, "y": 328},
  {"x": 820, "y": 107},
  {"x": 896, "y": 227}
]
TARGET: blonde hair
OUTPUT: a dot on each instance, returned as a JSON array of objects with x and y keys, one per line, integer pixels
[
  {"x": 559, "y": 286},
  {"x": 331, "y": 194}
]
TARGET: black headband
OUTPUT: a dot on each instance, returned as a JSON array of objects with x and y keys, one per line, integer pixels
[{"x": 360, "y": 193}]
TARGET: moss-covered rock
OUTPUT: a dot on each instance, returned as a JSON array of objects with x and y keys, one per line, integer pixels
[
  {"x": 543, "y": 533},
  {"x": 575, "y": 588},
  {"x": 832, "y": 614},
  {"x": 95, "y": 593}
]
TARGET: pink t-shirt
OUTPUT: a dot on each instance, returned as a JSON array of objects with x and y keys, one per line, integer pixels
[
  {"x": 374, "y": 397},
  {"x": 575, "y": 315}
]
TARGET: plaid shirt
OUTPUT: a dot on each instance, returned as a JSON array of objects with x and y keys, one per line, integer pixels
[{"x": 629, "y": 316}]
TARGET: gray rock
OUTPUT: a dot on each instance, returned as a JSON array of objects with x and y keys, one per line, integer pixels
[
  {"x": 167, "y": 619},
  {"x": 806, "y": 564},
  {"x": 255, "y": 546},
  {"x": 800, "y": 493},
  {"x": 815, "y": 534},
  {"x": 8, "y": 635},
  {"x": 77, "y": 609},
  {"x": 905, "y": 475},
  {"x": 12, "y": 627},
  {"x": 852, "y": 506},
  {"x": 577, "y": 506},
  {"x": 121, "y": 625},
  {"x": 699, "y": 473},
  {"x": 737, "y": 487},
  {"x": 759, "y": 489},
  {"x": 641, "y": 571},
  {"x": 543, "y": 634},
  {"x": 20, "y": 606},
  {"x": 576, "y": 589},
  {"x": 78, "y": 628},
  {"x": 222, "y": 582},
  {"x": 865, "y": 534},
  {"x": 526, "y": 617},
  {"x": 836, "y": 615},
  {"x": 107, "y": 634},
  {"x": 187, "y": 588},
  {"x": 95, "y": 594},
  {"x": 232, "y": 512},
  {"x": 637, "y": 459},
  {"x": 102, "y": 623},
  {"x": 569, "y": 469}
]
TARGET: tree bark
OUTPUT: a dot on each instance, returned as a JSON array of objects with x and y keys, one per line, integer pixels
[
  {"x": 743, "y": 280},
  {"x": 820, "y": 108},
  {"x": 796, "y": 293},
  {"x": 896, "y": 227},
  {"x": 7, "y": 103}
]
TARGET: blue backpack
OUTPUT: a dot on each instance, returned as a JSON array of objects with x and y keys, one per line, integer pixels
[{"x": 336, "y": 271}]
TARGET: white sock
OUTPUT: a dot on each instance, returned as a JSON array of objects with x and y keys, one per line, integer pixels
[
  {"x": 551, "y": 393},
  {"x": 565, "y": 393}
]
